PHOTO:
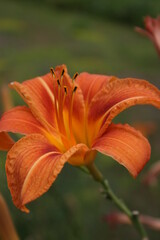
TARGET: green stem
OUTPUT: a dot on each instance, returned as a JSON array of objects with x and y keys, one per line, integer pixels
[{"x": 133, "y": 215}]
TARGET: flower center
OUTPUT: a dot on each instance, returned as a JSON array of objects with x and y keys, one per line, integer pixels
[{"x": 62, "y": 96}]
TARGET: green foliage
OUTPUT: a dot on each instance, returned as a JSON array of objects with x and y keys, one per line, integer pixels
[
  {"x": 127, "y": 11},
  {"x": 130, "y": 12}
]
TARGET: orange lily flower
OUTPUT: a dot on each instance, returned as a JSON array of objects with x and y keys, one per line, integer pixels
[
  {"x": 152, "y": 30},
  {"x": 69, "y": 120}
]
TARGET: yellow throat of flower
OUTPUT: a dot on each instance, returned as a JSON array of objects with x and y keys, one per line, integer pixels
[{"x": 62, "y": 98}]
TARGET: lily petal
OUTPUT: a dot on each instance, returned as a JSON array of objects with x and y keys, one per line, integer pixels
[
  {"x": 20, "y": 120},
  {"x": 119, "y": 95},
  {"x": 126, "y": 145},
  {"x": 6, "y": 142},
  {"x": 38, "y": 94},
  {"x": 20, "y": 159},
  {"x": 32, "y": 166},
  {"x": 91, "y": 84},
  {"x": 88, "y": 86}
]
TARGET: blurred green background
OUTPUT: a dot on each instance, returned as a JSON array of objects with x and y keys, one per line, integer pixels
[{"x": 97, "y": 37}]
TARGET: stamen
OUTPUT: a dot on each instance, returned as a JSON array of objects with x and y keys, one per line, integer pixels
[
  {"x": 54, "y": 94},
  {"x": 62, "y": 73},
  {"x": 57, "y": 136},
  {"x": 58, "y": 82},
  {"x": 60, "y": 118},
  {"x": 75, "y": 76},
  {"x": 52, "y": 72},
  {"x": 70, "y": 115},
  {"x": 62, "y": 95},
  {"x": 74, "y": 89},
  {"x": 65, "y": 89}
]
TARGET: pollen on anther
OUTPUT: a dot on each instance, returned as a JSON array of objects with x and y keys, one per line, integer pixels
[
  {"x": 58, "y": 82},
  {"x": 74, "y": 89},
  {"x": 65, "y": 89},
  {"x": 52, "y": 71},
  {"x": 75, "y": 75},
  {"x": 62, "y": 73}
]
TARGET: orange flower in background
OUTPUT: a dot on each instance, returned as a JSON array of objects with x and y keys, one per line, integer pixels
[
  {"x": 151, "y": 177},
  {"x": 6, "y": 142},
  {"x": 152, "y": 30},
  {"x": 7, "y": 229},
  {"x": 116, "y": 218},
  {"x": 69, "y": 120},
  {"x": 146, "y": 128}
]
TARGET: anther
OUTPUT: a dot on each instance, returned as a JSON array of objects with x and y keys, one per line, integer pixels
[
  {"x": 74, "y": 89},
  {"x": 52, "y": 71},
  {"x": 75, "y": 75},
  {"x": 58, "y": 82},
  {"x": 62, "y": 73},
  {"x": 65, "y": 90}
]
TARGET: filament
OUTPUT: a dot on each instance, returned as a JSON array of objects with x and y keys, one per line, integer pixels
[
  {"x": 70, "y": 114},
  {"x": 63, "y": 99}
]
